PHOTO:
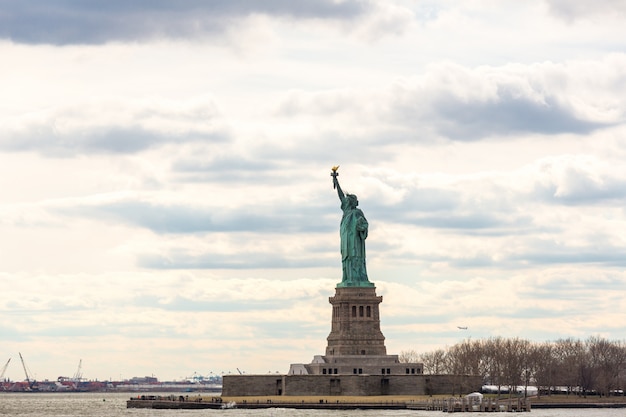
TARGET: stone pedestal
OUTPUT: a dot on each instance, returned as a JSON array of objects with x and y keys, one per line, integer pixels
[
  {"x": 356, "y": 346},
  {"x": 355, "y": 323}
]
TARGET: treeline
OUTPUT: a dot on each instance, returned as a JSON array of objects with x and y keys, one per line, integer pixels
[{"x": 595, "y": 365}]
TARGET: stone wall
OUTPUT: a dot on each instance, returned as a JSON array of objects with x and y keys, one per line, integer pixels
[
  {"x": 356, "y": 364},
  {"x": 357, "y": 385},
  {"x": 252, "y": 385}
]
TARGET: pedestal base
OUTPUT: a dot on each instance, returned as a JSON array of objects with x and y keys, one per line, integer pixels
[{"x": 355, "y": 323}]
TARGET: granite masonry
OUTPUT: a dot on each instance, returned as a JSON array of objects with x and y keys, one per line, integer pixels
[{"x": 356, "y": 361}]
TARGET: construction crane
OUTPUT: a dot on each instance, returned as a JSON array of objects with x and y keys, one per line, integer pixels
[
  {"x": 4, "y": 369},
  {"x": 30, "y": 383},
  {"x": 79, "y": 372}
]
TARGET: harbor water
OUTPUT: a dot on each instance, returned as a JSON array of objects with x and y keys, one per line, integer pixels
[{"x": 114, "y": 404}]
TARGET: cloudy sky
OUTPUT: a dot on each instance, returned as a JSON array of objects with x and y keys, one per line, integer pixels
[{"x": 166, "y": 204}]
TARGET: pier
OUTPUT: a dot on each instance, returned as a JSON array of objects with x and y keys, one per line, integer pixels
[
  {"x": 174, "y": 402},
  {"x": 482, "y": 405}
]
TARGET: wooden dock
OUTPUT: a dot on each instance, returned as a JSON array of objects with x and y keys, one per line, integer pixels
[{"x": 484, "y": 405}]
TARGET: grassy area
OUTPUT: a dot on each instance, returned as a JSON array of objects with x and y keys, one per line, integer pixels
[
  {"x": 410, "y": 399},
  {"x": 334, "y": 399},
  {"x": 578, "y": 399}
]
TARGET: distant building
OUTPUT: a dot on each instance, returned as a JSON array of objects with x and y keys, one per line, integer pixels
[{"x": 143, "y": 380}]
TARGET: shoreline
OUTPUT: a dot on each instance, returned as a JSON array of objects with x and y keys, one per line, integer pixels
[
  {"x": 544, "y": 405},
  {"x": 337, "y": 403}
]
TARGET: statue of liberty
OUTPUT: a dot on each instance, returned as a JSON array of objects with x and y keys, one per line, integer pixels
[{"x": 353, "y": 231}]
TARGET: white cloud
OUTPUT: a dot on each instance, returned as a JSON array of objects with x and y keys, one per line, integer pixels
[
  {"x": 60, "y": 24},
  {"x": 575, "y": 10},
  {"x": 113, "y": 125}
]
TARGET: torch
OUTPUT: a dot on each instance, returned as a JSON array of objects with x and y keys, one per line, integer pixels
[{"x": 334, "y": 174}]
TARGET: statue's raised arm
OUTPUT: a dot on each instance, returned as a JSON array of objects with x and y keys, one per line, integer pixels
[
  {"x": 339, "y": 190},
  {"x": 336, "y": 185}
]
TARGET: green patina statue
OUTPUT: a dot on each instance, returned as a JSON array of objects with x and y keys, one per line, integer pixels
[{"x": 353, "y": 231}]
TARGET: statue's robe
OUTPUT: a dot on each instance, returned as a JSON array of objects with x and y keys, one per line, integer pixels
[{"x": 353, "y": 232}]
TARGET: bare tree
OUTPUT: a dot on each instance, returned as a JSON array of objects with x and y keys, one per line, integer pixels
[
  {"x": 545, "y": 367},
  {"x": 465, "y": 358},
  {"x": 570, "y": 357},
  {"x": 408, "y": 356},
  {"x": 434, "y": 362},
  {"x": 596, "y": 364},
  {"x": 494, "y": 357},
  {"x": 606, "y": 359},
  {"x": 514, "y": 361}
]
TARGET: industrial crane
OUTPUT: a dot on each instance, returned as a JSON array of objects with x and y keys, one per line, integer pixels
[
  {"x": 30, "y": 383},
  {"x": 79, "y": 372},
  {"x": 4, "y": 369}
]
